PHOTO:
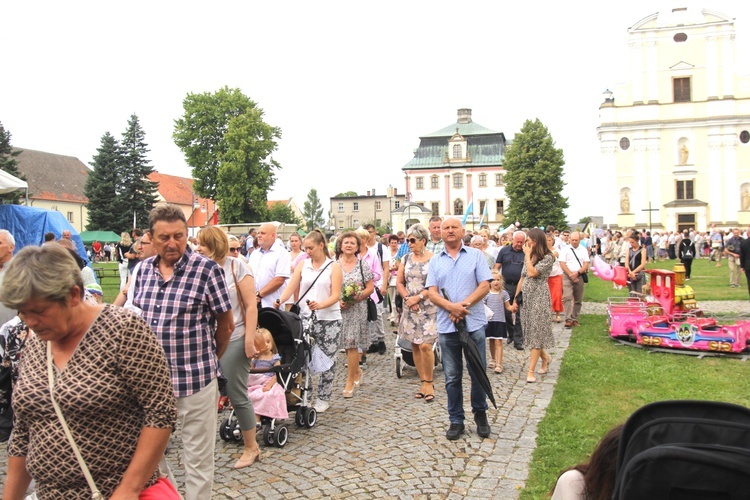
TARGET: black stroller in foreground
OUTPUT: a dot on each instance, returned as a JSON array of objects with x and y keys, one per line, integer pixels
[{"x": 295, "y": 348}]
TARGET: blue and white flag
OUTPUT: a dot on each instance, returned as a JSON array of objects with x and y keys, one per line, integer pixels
[
  {"x": 484, "y": 214},
  {"x": 469, "y": 210}
]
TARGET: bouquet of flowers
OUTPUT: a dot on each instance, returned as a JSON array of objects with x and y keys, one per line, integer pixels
[{"x": 349, "y": 292}]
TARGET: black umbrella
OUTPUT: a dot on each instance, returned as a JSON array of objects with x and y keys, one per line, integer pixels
[{"x": 473, "y": 358}]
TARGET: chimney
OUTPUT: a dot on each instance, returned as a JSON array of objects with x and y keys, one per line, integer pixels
[
  {"x": 395, "y": 192},
  {"x": 464, "y": 115},
  {"x": 373, "y": 191},
  {"x": 368, "y": 193}
]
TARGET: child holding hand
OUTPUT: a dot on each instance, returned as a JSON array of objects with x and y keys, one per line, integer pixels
[{"x": 498, "y": 301}]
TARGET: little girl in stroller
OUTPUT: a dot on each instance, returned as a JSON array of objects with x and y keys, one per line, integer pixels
[{"x": 268, "y": 396}]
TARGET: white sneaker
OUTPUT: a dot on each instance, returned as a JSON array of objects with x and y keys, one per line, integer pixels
[{"x": 321, "y": 406}]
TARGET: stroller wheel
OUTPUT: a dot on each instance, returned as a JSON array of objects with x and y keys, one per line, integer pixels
[
  {"x": 300, "y": 416},
  {"x": 399, "y": 368},
  {"x": 282, "y": 436},
  {"x": 236, "y": 431},
  {"x": 311, "y": 417},
  {"x": 268, "y": 437},
  {"x": 225, "y": 430}
]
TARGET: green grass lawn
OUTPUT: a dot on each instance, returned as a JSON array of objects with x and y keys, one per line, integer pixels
[
  {"x": 601, "y": 383},
  {"x": 708, "y": 282},
  {"x": 110, "y": 286}
]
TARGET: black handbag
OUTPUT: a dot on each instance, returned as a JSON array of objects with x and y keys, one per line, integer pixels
[
  {"x": 584, "y": 276},
  {"x": 372, "y": 308}
]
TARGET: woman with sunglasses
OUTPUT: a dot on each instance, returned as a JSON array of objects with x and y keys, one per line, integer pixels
[
  {"x": 419, "y": 318},
  {"x": 235, "y": 363}
]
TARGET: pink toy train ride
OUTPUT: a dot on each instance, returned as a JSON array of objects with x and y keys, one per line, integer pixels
[{"x": 667, "y": 316}]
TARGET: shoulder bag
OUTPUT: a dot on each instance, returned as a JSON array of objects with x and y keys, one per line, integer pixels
[
  {"x": 372, "y": 309},
  {"x": 295, "y": 307},
  {"x": 163, "y": 487},
  {"x": 584, "y": 276}
]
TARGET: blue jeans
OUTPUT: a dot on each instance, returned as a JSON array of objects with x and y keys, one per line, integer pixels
[{"x": 453, "y": 365}]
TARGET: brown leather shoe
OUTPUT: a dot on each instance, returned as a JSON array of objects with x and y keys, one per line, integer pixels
[
  {"x": 576, "y": 323},
  {"x": 568, "y": 323}
]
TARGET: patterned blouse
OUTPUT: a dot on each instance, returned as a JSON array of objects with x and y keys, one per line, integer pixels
[{"x": 115, "y": 383}]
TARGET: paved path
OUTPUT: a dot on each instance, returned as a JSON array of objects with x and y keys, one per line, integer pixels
[{"x": 383, "y": 443}]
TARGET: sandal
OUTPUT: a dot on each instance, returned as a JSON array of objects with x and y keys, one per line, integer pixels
[
  {"x": 499, "y": 369},
  {"x": 429, "y": 397},
  {"x": 420, "y": 394},
  {"x": 491, "y": 364}
]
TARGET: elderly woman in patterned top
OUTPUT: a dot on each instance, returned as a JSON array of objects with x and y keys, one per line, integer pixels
[{"x": 110, "y": 379}]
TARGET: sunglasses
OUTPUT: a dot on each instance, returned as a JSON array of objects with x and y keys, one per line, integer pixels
[
  {"x": 234, "y": 249},
  {"x": 412, "y": 240}
]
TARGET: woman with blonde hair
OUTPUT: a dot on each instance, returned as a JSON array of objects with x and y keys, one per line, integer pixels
[
  {"x": 244, "y": 344},
  {"x": 123, "y": 248},
  {"x": 317, "y": 283}
]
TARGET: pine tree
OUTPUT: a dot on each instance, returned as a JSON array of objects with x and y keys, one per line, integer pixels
[
  {"x": 9, "y": 164},
  {"x": 101, "y": 187},
  {"x": 136, "y": 193},
  {"x": 313, "y": 211},
  {"x": 534, "y": 181}
]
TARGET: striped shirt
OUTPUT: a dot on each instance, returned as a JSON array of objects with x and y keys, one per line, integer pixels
[
  {"x": 496, "y": 302},
  {"x": 181, "y": 310}
]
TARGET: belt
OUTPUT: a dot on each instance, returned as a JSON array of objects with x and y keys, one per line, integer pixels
[{"x": 508, "y": 282}]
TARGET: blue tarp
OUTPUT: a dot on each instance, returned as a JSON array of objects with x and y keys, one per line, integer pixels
[{"x": 28, "y": 226}]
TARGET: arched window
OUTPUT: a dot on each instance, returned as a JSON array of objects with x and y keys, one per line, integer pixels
[
  {"x": 457, "y": 151},
  {"x": 458, "y": 207}
]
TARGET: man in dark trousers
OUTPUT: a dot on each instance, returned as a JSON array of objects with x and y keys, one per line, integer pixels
[
  {"x": 745, "y": 257},
  {"x": 510, "y": 262}
]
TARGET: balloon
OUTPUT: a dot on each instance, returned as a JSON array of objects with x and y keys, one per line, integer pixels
[{"x": 618, "y": 275}]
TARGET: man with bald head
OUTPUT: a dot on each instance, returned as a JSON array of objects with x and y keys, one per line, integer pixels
[
  {"x": 574, "y": 262},
  {"x": 270, "y": 264},
  {"x": 457, "y": 281},
  {"x": 510, "y": 263}
]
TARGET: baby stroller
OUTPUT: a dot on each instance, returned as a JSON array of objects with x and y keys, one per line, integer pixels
[
  {"x": 294, "y": 348},
  {"x": 404, "y": 355}
]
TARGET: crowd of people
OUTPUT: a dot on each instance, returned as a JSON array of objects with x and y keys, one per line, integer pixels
[{"x": 187, "y": 314}]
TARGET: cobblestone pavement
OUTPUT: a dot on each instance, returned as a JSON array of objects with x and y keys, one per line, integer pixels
[{"x": 384, "y": 443}]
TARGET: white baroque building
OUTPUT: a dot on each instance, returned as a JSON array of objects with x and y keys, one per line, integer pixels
[{"x": 676, "y": 135}]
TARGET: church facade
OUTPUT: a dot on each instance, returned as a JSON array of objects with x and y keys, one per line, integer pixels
[{"x": 676, "y": 135}]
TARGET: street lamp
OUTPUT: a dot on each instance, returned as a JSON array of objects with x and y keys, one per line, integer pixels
[{"x": 608, "y": 96}]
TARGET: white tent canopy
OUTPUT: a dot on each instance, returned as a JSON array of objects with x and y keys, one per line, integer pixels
[{"x": 9, "y": 183}]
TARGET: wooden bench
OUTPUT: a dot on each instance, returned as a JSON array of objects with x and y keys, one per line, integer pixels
[{"x": 102, "y": 273}]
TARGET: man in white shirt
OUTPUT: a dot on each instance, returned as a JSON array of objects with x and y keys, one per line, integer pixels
[
  {"x": 574, "y": 262},
  {"x": 382, "y": 254},
  {"x": 271, "y": 266}
]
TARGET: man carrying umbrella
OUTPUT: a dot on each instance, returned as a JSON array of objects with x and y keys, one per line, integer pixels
[{"x": 462, "y": 275}]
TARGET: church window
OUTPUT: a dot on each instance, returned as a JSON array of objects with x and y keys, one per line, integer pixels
[
  {"x": 680, "y": 37},
  {"x": 681, "y": 89},
  {"x": 685, "y": 190},
  {"x": 624, "y": 143}
]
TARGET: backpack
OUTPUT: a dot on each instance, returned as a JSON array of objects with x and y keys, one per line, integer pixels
[{"x": 680, "y": 450}]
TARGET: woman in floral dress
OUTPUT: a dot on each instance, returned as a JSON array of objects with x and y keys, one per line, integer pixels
[
  {"x": 537, "y": 307},
  {"x": 356, "y": 285},
  {"x": 419, "y": 319}
]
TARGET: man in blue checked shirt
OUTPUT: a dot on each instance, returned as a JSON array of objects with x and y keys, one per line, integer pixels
[
  {"x": 184, "y": 298},
  {"x": 463, "y": 274}
]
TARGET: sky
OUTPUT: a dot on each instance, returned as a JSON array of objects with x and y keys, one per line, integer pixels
[{"x": 352, "y": 85}]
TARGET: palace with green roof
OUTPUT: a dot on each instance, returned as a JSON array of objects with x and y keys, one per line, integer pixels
[{"x": 457, "y": 164}]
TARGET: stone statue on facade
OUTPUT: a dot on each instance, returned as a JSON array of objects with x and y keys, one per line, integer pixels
[
  {"x": 625, "y": 202},
  {"x": 684, "y": 153}
]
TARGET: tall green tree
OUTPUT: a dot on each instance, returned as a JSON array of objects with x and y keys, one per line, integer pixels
[
  {"x": 104, "y": 212},
  {"x": 281, "y": 212},
  {"x": 136, "y": 192},
  {"x": 534, "y": 181},
  {"x": 9, "y": 164},
  {"x": 312, "y": 211},
  {"x": 228, "y": 146}
]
